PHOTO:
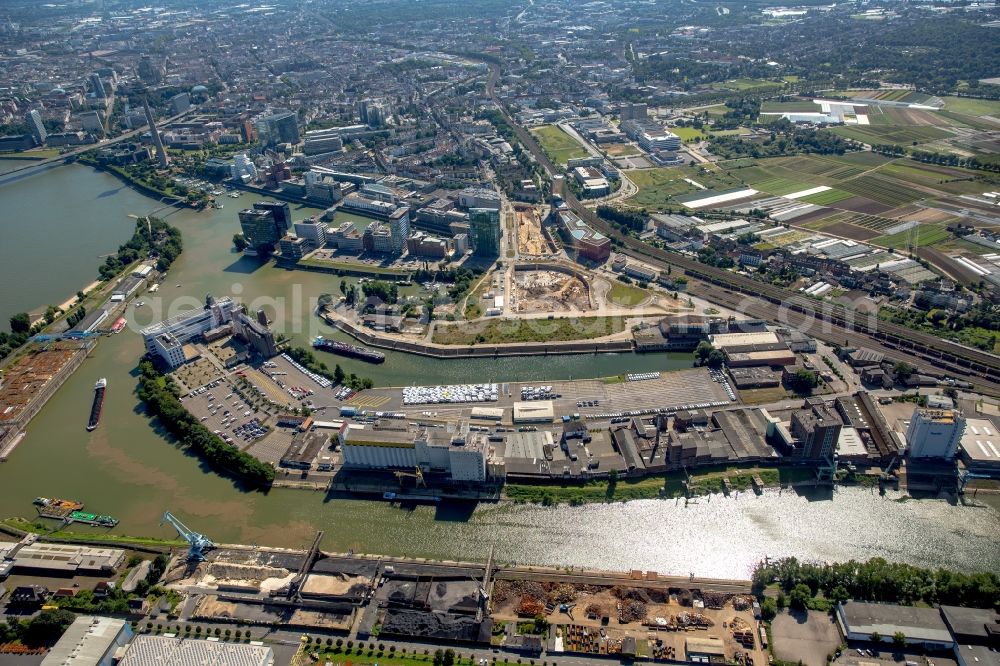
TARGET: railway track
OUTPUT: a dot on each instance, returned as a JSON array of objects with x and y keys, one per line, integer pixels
[{"x": 758, "y": 299}]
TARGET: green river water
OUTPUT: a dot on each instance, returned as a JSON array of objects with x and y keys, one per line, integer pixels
[{"x": 66, "y": 217}]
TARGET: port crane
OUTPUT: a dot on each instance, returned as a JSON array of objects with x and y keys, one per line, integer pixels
[
  {"x": 967, "y": 476},
  {"x": 198, "y": 544}
]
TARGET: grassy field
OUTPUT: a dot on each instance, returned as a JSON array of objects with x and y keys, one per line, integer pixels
[
  {"x": 925, "y": 234},
  {"x": 971, "y": 106},
  {"x": 501, "y": 331},
  {"x": 743, "y": 85},
  {"x": 688, "y": 134},
  {"x": 657, "y": 187},
  {"x": 558, "y": 145},
  {"x": 355, "y": 267},
  {"x": 625, "y": 294},
  {"x": 780, "y": 186},
  {"x": 801, "y": 106}
]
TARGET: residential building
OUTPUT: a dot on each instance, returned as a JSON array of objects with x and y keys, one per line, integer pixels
[
  {"x": 484, "y": 231},
  {"x": 423, "y": 245},
  {"x": 89, "y": 641},
  {"x": 97, "y": 86},
  {"x": 934, "y": 433},
  {"x": 149, "y": 650},
  {"x": 37, "y": 127},
  {"x": 312, "y": 230},
  {"x": 292, "y": 247},
  {"x": 150, "y": 71},
  {"x": 322, "y": 141},
  {"x": 180, "y": 103},
  {"x": 399, "y": 228},
  {"x": 377, "y": 238}
]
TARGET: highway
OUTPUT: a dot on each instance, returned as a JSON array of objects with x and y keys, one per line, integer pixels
[
  {"x": 826, "y": 321},
  {"x": 91, "y": 146}
]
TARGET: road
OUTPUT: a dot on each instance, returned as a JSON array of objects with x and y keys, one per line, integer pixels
[
  {"x": 83, "y": 149},
  {"x": 825, "y": 321}
]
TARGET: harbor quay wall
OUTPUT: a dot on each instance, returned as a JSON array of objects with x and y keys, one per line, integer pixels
[{"x": 480, "y": 351}]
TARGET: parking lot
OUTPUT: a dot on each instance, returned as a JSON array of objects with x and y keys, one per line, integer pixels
[{"x": 221, "y": 409}]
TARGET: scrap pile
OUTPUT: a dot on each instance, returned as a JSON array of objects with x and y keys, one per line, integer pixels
[
  {"x": 742, "y": 602},
  {"x": 587, "y": 639},
  {"x": 714, "y": 600},
  {"x": 631, "y": 610},
  {"x": 696, "y": 620},
  {"x": 742, "y": 633},
  {"x": 662, "y": 650}
]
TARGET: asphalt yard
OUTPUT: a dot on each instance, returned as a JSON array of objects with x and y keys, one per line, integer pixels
[{"x": 588, "y": 396}]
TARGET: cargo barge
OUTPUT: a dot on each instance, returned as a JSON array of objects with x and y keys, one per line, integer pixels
[
  {"x": 352, "y": 351},
  {"x": 92, "y": 519},
  {"x": 56, "y": 504},
  {"x": 95, "y": 410}
]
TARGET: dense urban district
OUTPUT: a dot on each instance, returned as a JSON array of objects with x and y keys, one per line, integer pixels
[{"x": 802, "y": 202}]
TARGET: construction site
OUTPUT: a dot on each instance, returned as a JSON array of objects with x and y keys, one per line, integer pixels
[
  {"x": 531, "y": 240},
  {"x": 540, "y": 290}
]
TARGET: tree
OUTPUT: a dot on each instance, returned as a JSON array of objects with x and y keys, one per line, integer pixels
[
  {"x": 800, "y": 596},
  {"x": 839, "y": 594},
  {"x": 716, "y": 358},
  {"x": 803, "y": 381},
  {"x": 20, "y": 323},
  {"x": 429, "y": 308},
  {"x": 449, "y": 658},
  {"x": 903, "y": 370},
  {"x": 768, "y": 609},
  {"x": 338, "y": 374},
  {"x": 47, "y": 627},
  {"x": 876, "y": 637},
  {"x": 240, "y": 242},
  {"x": 702, "y": 351},
  {"x": 325, "y": 299},
  {"x": 899, "y": 639},
  {"x": 438, "y": 657}
]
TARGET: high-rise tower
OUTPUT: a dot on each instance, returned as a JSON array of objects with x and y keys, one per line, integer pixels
[{"x": 161, "y": 154}]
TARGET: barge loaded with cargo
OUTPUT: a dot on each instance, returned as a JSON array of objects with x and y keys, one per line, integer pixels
[
  {"x": 344, "y": 349},
  {"x": 95, "y": 409}
]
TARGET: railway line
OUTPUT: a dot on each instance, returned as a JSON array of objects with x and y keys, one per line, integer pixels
[{"x": 765, "y": 301}]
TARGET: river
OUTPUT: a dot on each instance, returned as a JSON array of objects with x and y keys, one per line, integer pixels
[{"x": 128, "y": 469}]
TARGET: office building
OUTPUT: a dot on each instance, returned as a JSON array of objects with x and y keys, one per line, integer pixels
[
  {"x": 322, "y": 141},
  {"x": 363, "y": 205},
  {"x": 633, "y": 112},
  {"x": 479, "y": 197},
  {"x": 650, "y": 136},
  {"x": 89, "y": 641},
  {"x": 377, "y": 238},
  {"x": 484, "y": 231},
  {"x": 589, "y": 243},
  {"x": 423, "y": 245},
  {"x": 816, "y": 431},
  {"x": 180, "y": 103},
  {"x": 399, "y": 228},
  {"x": 347, "y": 238},
  {"x": 150, "y": 71},
  {"x": 279, "y": 127},
  {"x": 243, "y": 169},
  {"x": 260, "y": 231},
  {"x": 97, "y": 86},
  {"x": 282, "y": 213},
  {"x": 37, "y": 127},
  {"x": 168, "y": 338},
  {"x": 147, "y": 650},
  {"x": 255, "y": 333},
  {"x": 92, "y": 121},
  {"x": 313, "y": 231},
  {"x": 934, "y": 433}
]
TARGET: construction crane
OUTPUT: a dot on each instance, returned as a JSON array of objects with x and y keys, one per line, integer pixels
[
  {"x": 68, "y": 335},
  {"x": 415, "y": 474},
  {"x": 198, "y": 544}
]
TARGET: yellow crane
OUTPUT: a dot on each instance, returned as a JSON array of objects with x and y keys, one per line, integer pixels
[{"x": 415, "y": 474}]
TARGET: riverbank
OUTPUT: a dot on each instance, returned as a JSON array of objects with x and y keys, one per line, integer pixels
[
  {"x": 435, "y": 350},
  {"x": 671, "y": 485}
]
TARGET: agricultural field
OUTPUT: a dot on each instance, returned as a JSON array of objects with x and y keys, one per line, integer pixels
[
  {"x": 882, "y": 189},
  {"x": 558, "y": 145},
  {"x": 900, "y": 135},
  {"x": 919, "y": 236},
  {"x": 658, "y": 187},
  {"x": 827, "y": 198},
  {"x": 800, "y": 106}
]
